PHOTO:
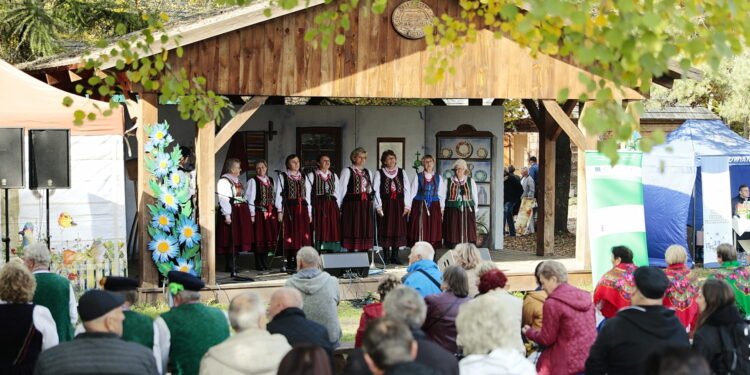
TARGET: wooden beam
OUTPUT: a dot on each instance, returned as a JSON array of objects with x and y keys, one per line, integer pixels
[
  {"x": 236, "y": 122},
  {"x": 205, "y": 164},
  {"x": 567, "y": 125},
  {"x": 149, "y": 115},
  {"x": 51, "y": 80},
  {"x": 569, "y": 106}
]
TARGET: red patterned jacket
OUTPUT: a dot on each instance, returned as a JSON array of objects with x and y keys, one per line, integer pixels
[{"x": 613, "y": 290}]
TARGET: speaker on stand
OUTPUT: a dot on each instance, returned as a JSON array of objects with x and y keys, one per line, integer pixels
[
  {"x": 49, "y": 163},
  {"x": 11, "y": 173}
]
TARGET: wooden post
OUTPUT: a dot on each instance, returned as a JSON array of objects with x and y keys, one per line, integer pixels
[
  {"x": 548, "y": 132},
  {"x": 150, "y": 115},
  {"x": 583, "y": 245},
  {"x": 205, "y": 169}
]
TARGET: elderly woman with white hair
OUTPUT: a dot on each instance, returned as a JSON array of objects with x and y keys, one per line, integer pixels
[
  {"x": 423, "y": 274},
  {"x": 459, "y": 217},
  {"x": 682, "y": 292},
  {"x": 261, "y": 351},
  {"x": 320, "y": 292},
  {"x": 485, "y": 333},
  {"x": 52, "y": 291}
]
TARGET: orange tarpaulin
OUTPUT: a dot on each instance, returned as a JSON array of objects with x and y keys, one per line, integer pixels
[{"x": 27, "y": 102}]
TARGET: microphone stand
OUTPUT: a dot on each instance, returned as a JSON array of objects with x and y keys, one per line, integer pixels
[
  {"x": 281, "y": 232},
  {"x": 313, "y": 227},
  {"x": 376, "y": 250}
]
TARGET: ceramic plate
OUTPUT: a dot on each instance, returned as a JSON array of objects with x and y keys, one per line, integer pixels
[
  {"x": 482, "y": 153},
  {"x": 446, "y": 152},
  {"x": 480, "y": 176},
  {"x": 464, "y": 149}
]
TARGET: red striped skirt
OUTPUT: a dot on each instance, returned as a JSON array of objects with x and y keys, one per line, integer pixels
[
  {"x": 296, "y": 228},
  {"x": 452, "y": 226},
  {"x": 392, "y": 226},
  {"x": 432, "y": 224},
  {"x": 241, "y": 229},
  {"x": 266, "y": 231},
  {"x": 326, "y": 220},
  {"x": 356, "y": 224}
]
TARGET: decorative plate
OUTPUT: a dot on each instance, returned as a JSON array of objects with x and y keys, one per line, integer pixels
[
  {"x": 482, "y": 153},
  {"x": 480, "y": 176},
  {"x": 464, "y": 149},
  {"x": 448, "y": 173},
  {"x": 446, "y": 152}
]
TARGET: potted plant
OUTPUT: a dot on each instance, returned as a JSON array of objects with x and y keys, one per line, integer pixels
[{"x": 483, "y": 230}]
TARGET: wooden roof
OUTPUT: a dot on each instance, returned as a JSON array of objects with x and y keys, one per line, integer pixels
[{"x": 242, "y": 52}]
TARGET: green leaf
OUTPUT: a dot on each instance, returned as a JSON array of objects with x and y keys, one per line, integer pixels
[
  {"x": 562, "y": 96},
  {"x": 155, "y": 188},
  {"x": 340, "y": 39},
  {"x": 187, "y": 209},
  {"x": 164, "y": 268},
  {"x": 68, "y": 101},
  {"x": 79, "y": 114},
  {"x": 121, "y": 29}
]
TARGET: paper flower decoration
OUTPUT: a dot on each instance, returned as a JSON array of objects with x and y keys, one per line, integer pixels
[
  {"x": 175, "y": 180},
  {"x": 163, "y": 164},
  {"x": 163, "y": 248},
  {"x": 163, "y": 220},
  {"x": 185, "y": 266},
  {"x": 159, "y": 135},
  {"x": 188, "y": 232},
  {"x": 169, "y": 200}
]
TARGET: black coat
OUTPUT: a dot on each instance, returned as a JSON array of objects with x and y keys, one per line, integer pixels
[
  {"x": 297, "y": 329},
  {"x": 725, "y": 323},
  {"x": 429, "y": 354},
  {"x": 411, "y": 368},
  {"x": 630, "y": 336},
  {"x": 512, "y": 189}
]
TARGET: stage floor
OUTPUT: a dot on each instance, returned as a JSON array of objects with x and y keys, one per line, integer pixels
[{"x": 517, "y": 265}]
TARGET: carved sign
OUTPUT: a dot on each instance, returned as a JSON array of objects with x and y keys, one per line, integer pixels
[{"x": 410, "y": 18}]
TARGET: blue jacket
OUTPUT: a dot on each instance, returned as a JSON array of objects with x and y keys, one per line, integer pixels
[{"x": 421, "y": 283}]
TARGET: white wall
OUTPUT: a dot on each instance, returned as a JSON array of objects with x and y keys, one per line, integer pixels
[{"x": 390, "y": 122}]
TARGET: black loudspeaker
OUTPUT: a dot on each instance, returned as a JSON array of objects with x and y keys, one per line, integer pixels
[
  {"x": 346, "y": 264},
  {"x": 49, "y": 159},
  {"x": 11, "y": 158}
]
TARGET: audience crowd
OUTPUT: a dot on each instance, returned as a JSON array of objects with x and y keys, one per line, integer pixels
[{"x": 461, "y": 320}]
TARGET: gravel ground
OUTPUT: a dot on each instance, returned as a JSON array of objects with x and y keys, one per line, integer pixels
[{"x": 565, "y": 243}]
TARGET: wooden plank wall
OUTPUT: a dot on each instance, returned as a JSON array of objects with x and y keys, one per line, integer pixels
[{"x": 272, "y": 58}]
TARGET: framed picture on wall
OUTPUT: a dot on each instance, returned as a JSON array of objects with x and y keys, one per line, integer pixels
[
  {"x": 394, "y": 144},
  {"x": 313, "y": 141}
]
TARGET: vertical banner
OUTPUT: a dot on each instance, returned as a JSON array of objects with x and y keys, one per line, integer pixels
[
  {"x": 717, "y": 206},
  {"x": 615, "y": 209}
]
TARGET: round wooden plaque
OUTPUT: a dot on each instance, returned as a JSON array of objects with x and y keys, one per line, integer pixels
[{"x": 410, "y": 18}]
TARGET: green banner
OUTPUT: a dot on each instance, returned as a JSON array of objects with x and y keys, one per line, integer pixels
[{"x": 615, "y": 209}]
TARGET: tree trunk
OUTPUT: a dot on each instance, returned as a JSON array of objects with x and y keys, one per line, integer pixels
[{"x": 562, "y": 182}]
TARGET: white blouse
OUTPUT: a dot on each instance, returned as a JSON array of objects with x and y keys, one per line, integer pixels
[
  {"x": 441, "y": 192},
  {"x": 344, "y": 182},
  {"x": 280, "y": 189},
  {"x": 391, "y": 174},
  {"x": 474, "y": 196}
]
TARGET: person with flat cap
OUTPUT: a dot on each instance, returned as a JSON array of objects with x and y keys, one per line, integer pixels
[
  {"x": 138, "y": 328},
  {"x": 190, "y": 328},
  {"x": 99, "y": 350},
  {"x": 627, "y": 339}
]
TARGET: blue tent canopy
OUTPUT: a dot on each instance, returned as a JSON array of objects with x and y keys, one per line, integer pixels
[{"x": 671, "y": 181}]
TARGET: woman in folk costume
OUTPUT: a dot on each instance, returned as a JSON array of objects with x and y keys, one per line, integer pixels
[
  {"x": 262, "y": 197},
  {"x": 683, "y": 289},
  {"x": 426, "y": 218},
  {"x": 459, "y": 216},
  {"x": 614, "y": 288},
  {"x": 393, "y": 203},
  {"x": 355, "y": 200},
  {"x": 237, "y": 224},
  {"x": 323, "y": 193},
  {"x": 294, "y": 210}
]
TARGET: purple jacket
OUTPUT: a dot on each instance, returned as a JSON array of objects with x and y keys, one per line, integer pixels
[
  {"x": 440, "y": 325},
  {"x": 568, "y": 331}
]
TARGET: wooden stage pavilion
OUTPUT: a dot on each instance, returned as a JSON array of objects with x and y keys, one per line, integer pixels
[{"x": 243, "y": 53}]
